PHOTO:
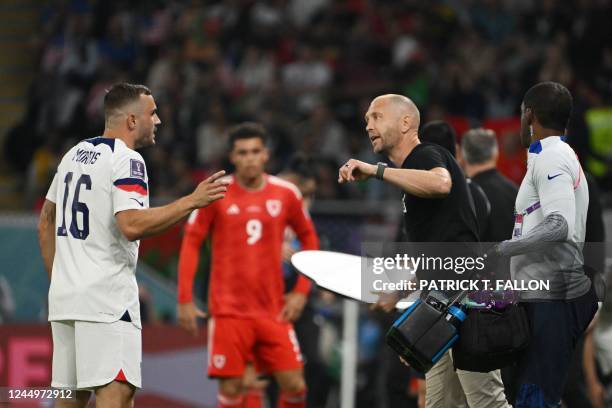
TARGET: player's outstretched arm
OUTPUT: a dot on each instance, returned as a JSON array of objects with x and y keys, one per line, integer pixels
[
  {"x": 46, "y": 234},
  {"x": 421, "y": 183},
  {"x": 304, "y": 228},
  {"x": 137, "y": 224},
  {"x": 196, "y": 231},
  {"x": 434, "y": 183}
]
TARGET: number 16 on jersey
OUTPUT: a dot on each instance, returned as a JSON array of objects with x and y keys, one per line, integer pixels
[{"x": 76, "y": 206}]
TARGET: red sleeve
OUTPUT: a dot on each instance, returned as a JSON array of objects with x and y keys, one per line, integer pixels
[
  {"x": 302, "y": 225},
  {"x": 196, "y": 230}
]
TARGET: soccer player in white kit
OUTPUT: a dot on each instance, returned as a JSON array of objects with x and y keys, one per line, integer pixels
[
  {"x": 95, "y": 212},
  {"x": 547, "y": 241}
]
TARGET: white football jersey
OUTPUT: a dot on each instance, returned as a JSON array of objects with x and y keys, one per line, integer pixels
[
  {"x": 554, "y": 183},
  {"x": 94, "y": 268}
]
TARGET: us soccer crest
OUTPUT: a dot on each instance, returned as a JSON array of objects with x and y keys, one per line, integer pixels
[
  {"x": 274, "y": 207},
  {"x": 219, "y": 361}
]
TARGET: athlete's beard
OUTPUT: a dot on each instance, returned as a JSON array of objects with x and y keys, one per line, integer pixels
[
  {"x": 144, "y": 140},
  {"x": 526, "y": 136}
]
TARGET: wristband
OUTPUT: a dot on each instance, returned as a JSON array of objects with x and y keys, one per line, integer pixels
[{"x": 380, "y": 170}]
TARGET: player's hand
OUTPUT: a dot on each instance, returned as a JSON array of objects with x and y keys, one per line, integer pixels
[
  {"x": 288, "y": 252},
  {"x": 386, "y": 301},
  {"x": 326, "y": 296},
  {"x": 493, "y": 259},
  {"x": 209, "y": 190},
  {"x": 187, "y": 315},
  {"x": 251, "y": 380},
  {"x": 294, "y": 304},
  {"x": 355, "y": 170}
]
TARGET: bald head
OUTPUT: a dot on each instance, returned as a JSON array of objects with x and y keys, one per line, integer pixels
[
  {"x": 392, "y": 123},
  {"x": 403, "y": 106}
]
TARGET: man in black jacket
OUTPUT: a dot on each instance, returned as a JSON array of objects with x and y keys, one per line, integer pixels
[{"x": 480, "y": 152}]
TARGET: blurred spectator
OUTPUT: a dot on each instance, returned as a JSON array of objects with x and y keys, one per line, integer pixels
[
  {"x": 170, "y": 173},
  {"x": 306, "y": 77},
  {"x": 118, "y": 47},
  {"x": 322, "y": 134},
  {"x": 288, "y": 62},
  {"x": 257, "y": 70},
  {"x": 164, "y": 71},
  {"x": 301, "y": 12},
  {"x": 212, "y": 141}
]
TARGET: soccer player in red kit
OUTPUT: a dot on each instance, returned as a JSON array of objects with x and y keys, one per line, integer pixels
[{"x": 250, "y": 317}]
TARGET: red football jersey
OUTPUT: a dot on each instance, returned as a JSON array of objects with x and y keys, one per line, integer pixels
[{"x": 247, "y": 228}]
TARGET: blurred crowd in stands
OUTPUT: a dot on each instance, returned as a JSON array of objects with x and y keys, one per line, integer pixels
[{"x": 305, "y": 69}]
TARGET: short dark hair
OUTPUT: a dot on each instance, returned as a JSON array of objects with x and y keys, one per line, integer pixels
[
  {"x": 247, "y": 130},
  {"x": 478, "y": 145},
  {"x": 551, "y": 103},
  {"x": 122, "y": 94},
  {"x": 440, "y": 133}
]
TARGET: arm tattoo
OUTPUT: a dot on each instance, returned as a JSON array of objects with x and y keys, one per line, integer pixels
[{"x": 48, "y": 212}]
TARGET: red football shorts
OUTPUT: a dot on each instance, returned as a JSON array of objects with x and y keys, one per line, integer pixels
[{"x": 233, "y": 342}]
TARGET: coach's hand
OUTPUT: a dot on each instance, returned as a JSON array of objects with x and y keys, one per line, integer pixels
[
  {"x": 209, "y": 190},
  {"x": 187, "y": 315},
  {"x": 355, "y": 170},
  {"x": 386, "y": 301},
  {"x": 294, "y": 304}
]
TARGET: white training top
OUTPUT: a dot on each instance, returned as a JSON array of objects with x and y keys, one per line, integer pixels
[
  {"x": 554, "y": 183},
  {"x": 94, "y": 268}
]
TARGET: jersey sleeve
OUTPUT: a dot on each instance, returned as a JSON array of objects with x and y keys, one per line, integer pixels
[
  {"x": 52, "y": 193},
  {"x": 197, "y": 228},
  {"x": 555, "y": 180},
  {"x": 299, "y": 220},
  {"x": 130, "y": 190}
]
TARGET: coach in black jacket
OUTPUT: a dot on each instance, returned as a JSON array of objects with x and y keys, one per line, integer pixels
[{"x": 479, "y": 151}]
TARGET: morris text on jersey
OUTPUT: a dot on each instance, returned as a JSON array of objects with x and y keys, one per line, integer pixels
[{"x": 85, "y": 156}]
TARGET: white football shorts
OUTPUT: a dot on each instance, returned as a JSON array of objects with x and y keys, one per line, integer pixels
[{"x": 91, "y": 354}]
